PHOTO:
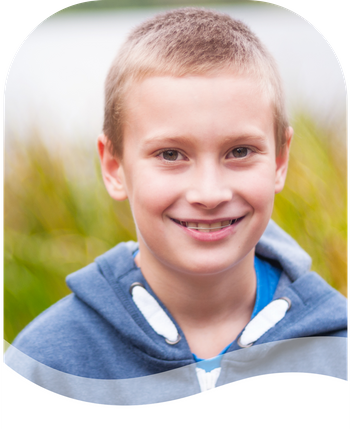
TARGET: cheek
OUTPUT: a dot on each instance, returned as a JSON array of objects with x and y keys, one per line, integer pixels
[
  {"x": 259, "y": 188},
  {"x": 152, "y": 194}
]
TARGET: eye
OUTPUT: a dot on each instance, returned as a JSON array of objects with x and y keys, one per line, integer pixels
[
  {"x": 171, "y": 155},
  {"x": 239, "y": 152}
]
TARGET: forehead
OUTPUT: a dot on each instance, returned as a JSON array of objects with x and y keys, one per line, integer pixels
[{"x": 199, "y": 107}]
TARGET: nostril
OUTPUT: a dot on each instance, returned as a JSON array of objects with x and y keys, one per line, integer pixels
[{"x": 209, "y": 199}]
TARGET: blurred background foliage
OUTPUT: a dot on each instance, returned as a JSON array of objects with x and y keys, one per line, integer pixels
[
  {"x": 312, "y": 208},
  {"x": 59, "y": 217},
  {"x": 103, "y": 5}
]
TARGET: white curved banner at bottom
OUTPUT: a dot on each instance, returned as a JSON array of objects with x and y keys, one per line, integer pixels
[{"x": 288, "y": 400}]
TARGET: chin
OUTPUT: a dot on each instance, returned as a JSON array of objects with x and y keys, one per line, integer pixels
[{"x": 199, "y": 268}]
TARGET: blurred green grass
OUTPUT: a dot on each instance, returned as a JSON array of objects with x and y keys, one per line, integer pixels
[
  {"x": 59, "y": 217},
  {"x": 312, "y": 208}
]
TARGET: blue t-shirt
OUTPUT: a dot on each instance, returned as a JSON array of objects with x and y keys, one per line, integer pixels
[{"x": 267, "y": 277}]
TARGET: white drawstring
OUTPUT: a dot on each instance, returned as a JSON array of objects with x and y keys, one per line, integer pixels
[
  {"x": 154, "y": 314},
  {"x": 266, "y": 319},
  {"x": 207, "y": 380}
]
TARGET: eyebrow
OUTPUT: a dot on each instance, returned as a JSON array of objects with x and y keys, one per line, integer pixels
[
  {"x": 188, "y": 139},
  {"x": 245, "y": 138},
  {"x": 167, "y": 139}
]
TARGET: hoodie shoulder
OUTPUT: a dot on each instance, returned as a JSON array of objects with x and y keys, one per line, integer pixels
[
  {"x": 59, "y": 336},
  {"x": 71, "y": 335}
]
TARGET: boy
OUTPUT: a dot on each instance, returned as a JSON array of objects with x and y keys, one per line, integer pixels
[{"x": 196, "y": 138}]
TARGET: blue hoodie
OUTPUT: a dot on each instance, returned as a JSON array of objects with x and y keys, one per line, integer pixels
[{"x": 99, "y": 345}]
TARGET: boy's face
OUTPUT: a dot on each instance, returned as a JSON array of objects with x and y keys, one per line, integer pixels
[{"x": 198, "y": 152}]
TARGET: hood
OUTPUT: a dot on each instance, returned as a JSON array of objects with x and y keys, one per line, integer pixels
[{"x": 105, "y": 286}]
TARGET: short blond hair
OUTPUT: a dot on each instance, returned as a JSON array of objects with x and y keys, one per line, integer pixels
[{"x": 189, "y": 41}]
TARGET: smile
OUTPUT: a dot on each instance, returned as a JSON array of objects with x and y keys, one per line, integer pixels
[{"x": 207, "y": 227}]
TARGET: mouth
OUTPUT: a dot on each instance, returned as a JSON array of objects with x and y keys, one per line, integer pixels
[{"x": 207, "y": 227}]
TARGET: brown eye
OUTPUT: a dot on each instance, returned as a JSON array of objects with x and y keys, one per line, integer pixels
[
  {"x": 170, "y": 155},
  {"x": 240, "y": 152}
]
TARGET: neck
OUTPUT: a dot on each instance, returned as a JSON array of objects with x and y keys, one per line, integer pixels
[{"x": 211, "y": 309}]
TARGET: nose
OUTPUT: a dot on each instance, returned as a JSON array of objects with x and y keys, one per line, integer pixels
[{"x": 208, "y": 187}]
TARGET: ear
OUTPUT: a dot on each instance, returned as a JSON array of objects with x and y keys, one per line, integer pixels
[
  {"x": 112, "y": 170},
  {"x": 282, "y": 162}
]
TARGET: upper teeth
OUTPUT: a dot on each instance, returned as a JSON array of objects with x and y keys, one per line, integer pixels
[{"x": 206, "y": 227}]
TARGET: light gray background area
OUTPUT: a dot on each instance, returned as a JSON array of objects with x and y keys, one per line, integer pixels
[{"x": 55, "y": 84}]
